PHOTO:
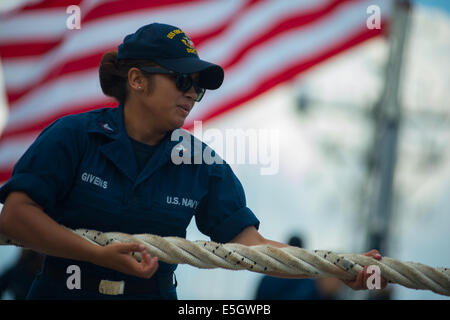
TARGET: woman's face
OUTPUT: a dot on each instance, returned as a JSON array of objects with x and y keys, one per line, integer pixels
[{"x": 167, "y": 104}]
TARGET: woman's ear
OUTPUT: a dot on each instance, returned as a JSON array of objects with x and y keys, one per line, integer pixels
[{"x": 136, "y": 79}]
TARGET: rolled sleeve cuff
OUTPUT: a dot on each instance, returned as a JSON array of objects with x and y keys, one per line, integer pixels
[
  {"x": 33, "y": 186},
  {"x": 234, "y": 224}
]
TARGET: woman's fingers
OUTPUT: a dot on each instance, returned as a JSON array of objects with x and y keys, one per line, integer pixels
[
  {"x": 122, "y": 261},
  {"x": 356, "y": 284},
  {"x": 148, "y": 264},
  {"x": 374, "y": 254},
  {"x": 130, "y": 247}
]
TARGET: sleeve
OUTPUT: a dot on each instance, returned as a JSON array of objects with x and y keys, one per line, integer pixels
[
  {"x": 46, "y": 170},
  {"x": 223, "y": 213}
]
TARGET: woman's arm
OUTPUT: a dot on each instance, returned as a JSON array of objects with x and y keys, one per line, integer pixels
[
  {"x": 24, "y": 220},
  {"x": 251, "y": 237}
]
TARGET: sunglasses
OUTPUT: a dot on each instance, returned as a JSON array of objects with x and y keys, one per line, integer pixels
[{"x": 183, "y": 81}]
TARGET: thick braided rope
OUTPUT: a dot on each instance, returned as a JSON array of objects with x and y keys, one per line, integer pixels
[{"x": 263, "y": 258}]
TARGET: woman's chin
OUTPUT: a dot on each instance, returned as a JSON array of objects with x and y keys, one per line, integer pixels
[{"x": 177, "y": 124}]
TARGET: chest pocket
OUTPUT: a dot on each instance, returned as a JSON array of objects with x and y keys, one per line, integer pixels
[{"x": 90, "y": 206}]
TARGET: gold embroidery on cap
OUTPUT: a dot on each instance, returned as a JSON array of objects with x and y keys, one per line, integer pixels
[
  {"x": 190, "y": 45},
  {"x": 185, "y": 39},
  {"x": 173, "y": 33}
]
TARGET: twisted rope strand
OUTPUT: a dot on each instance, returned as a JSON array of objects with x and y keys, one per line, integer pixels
[{"x": 264, "y": 258}]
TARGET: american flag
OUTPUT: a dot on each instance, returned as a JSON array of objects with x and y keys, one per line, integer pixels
[{"x": 51, "y": 70}]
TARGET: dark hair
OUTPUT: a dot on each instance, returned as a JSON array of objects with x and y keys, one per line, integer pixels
[{"x": 113, "y": 74}]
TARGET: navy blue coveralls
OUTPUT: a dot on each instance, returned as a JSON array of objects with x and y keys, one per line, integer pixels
[{"x": 83, "y": 172}]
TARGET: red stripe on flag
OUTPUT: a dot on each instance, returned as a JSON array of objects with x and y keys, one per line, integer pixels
[
  {"x": 48, "y": 4},
  {"x": 5, "y": 174},
  {"x": 122, "y": 7},
  {"x": 21, "y": 50}
]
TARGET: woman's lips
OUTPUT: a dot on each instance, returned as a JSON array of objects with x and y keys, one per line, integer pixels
[{"x": 184, "y": 109}]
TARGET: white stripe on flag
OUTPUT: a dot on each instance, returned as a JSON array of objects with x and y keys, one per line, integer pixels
[
  {"x": 13, "y": 148},
  {"x": 38, "y": 25}
]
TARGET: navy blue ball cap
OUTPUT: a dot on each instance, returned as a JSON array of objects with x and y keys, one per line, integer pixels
[{"x": 172, "y": 49}]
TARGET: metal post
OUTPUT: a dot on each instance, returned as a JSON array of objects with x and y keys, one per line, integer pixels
[{"x": 387, "y": 117}]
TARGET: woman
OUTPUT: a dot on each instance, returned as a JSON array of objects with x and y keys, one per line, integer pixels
[{"x": 110, "y": 170}]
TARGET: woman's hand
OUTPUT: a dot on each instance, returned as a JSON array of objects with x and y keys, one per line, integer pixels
[
  {"x": 117, "y": 256},
  {"x": 360, "y": 283}
]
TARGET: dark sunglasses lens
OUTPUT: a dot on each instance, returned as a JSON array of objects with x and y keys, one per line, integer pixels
[
  {"x": 200, "y": 93},
  {"x": 184, "y": 83}
]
